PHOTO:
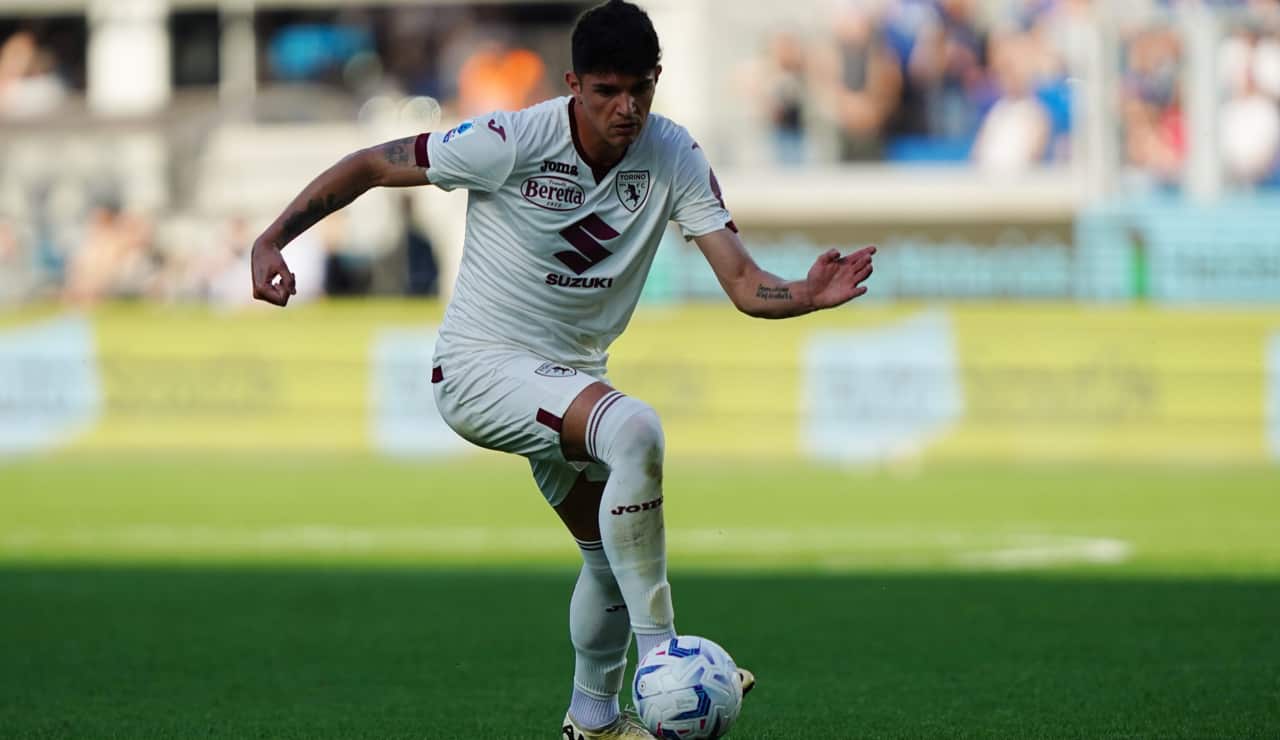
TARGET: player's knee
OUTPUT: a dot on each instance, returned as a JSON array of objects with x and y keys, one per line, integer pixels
[{"x": 641, "y": 443}]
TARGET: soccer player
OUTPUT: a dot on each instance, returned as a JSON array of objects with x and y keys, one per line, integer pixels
[{"x": 568, "y": 202}]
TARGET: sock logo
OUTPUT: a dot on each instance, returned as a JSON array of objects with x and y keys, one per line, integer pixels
[
  {"x": 615, "y": 608},
  {"x": 569, "y": 734},
  {"x": 633, "y": 508}
]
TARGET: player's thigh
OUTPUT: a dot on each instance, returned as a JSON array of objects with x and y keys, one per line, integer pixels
[{"x": 513, "y": 402}]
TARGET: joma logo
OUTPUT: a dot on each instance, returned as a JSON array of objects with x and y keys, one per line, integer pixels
[
  {"x": 633, "y": 508},
  {"x": 559, "y": 168}
]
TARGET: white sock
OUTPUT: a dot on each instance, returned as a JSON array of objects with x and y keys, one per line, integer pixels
[
  {"x": 625, "y": 434},
  {"x": 601, "y": 634}
]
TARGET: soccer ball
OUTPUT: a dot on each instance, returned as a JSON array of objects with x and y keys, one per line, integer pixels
[{"x": 688, "y": 689}]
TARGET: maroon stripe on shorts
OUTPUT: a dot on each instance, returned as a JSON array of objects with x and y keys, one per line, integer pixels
[
  {"x": 548, "y": 419},
  {"x": 420, "y": 156},
  {"x": 437, "y": 374}
]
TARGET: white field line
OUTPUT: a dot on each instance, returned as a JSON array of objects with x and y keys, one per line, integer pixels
[
  {"x": 830, "y": 546},
  {"x": 1040, "y": 552}
]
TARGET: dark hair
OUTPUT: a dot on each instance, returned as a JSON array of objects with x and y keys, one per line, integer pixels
[{"x": 616, "y": 36}]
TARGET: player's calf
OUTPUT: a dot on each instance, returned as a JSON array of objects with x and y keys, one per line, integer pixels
[
  {"x": 601, "y": 634},
  {"x": 626, "y": 434}
]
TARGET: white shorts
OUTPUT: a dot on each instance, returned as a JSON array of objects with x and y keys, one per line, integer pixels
[{"x": 513, "y": 401}]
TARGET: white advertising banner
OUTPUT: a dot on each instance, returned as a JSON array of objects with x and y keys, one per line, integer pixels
[
  {"x": 49, "y": 386},
  {"x": 882, "y": 393},
  {"x": 402, "y": 405}
]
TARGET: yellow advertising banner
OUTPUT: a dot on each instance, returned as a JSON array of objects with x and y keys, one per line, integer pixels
[{"x": 865, "y": 384}]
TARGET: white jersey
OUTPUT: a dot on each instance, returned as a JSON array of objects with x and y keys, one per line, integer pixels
[{"x": 555, "y": 254}]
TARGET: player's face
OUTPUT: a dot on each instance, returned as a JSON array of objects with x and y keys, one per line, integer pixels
[{"x": 616, "y": 106}]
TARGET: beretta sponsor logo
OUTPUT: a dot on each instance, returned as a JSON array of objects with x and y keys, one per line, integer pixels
[
  {"x": 552, "y": 370},
  {"x": 553, "y": 193}
]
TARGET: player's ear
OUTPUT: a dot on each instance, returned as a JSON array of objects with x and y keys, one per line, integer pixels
[
  {"x": 657, "y": 72},
  {"x": 573, "y": 82}
]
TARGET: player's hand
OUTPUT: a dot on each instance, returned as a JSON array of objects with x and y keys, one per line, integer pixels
[
  {"x": 834, "y": 280},
  {"x": 272, "y": 281}
]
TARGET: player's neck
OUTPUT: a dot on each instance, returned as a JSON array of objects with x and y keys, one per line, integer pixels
[{"x": 595, "y": 151}]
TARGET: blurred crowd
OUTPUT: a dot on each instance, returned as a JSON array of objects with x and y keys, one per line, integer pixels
[
  {"x": 927, "y": 80},
  {"x": 990, "y": 82}
]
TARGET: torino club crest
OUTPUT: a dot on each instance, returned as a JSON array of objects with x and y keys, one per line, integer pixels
[{"x": 632, "y": 187}]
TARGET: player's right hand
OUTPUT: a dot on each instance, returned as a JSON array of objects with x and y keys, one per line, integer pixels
[{"x": 272, "y": 281}]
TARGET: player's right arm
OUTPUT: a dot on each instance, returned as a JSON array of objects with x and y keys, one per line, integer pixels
[
  {"x": 392, "y": 164},
  {"x": 476, "y": 155}
]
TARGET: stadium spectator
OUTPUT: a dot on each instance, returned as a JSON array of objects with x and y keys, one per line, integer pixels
[
  {"x": 1151, "y": 109},
  {"x": 862, "y": 78},
  {"x": 780, "y": 81},
  {"x": 422, "y": 273},
  {"x": 498, "y": 77},
  {"x": 1016, "y": 131},
  {"x": 1058, "y": 29},
  {"x": 947, "y": 66},
  {"x": 1249, "y": 132},
  {"x": 904, "y": 23},
  {"x": 29, "y": 84},
  {"x": 114, "y": 259}
]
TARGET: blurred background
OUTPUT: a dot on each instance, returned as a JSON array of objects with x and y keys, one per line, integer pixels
[{"x": 1068, "y": 366}]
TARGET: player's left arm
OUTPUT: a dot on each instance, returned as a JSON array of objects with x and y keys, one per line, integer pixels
[{"x": 832, "y": 281}]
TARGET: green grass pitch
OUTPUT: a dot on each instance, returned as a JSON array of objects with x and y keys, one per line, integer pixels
[{"x": 364, "y": 598}]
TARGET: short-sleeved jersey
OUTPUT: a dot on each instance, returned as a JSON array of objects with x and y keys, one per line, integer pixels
[{"x": 555, "y": 255}]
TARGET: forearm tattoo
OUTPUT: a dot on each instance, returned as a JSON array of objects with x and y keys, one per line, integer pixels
[
  {"x": 773, "y": 293},
  {"x": 317, "y": 208}
]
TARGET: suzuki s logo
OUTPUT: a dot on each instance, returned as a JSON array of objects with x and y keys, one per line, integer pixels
[
  {"x": 585, "y": 236},
  {"x": 632, "y": 188}
]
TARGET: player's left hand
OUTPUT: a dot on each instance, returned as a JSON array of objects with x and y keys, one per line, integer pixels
[{"x": 834, "y": 280}]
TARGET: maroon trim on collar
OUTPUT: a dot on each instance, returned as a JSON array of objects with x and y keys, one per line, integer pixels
[
  {"x": 597, "y": 171},
  {"x": 420, "y": 156}
]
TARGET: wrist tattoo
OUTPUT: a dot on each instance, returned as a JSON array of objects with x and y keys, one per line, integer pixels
[{"x": 773, "y": 293}]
